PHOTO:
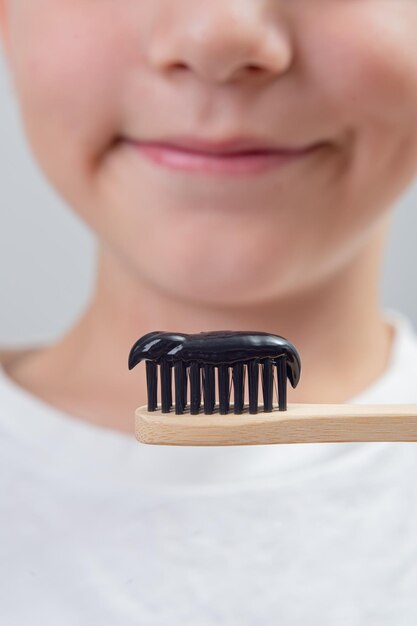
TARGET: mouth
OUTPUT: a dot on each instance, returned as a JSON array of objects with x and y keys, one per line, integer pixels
[{"x": 233, "y": 156}]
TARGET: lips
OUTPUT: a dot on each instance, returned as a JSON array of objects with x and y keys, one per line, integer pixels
[
  {"x": 238, "y": 156},
  {"x": 234, "y": 146}
]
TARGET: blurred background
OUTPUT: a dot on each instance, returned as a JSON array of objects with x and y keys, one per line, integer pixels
[{"x": 47, "y": 255}]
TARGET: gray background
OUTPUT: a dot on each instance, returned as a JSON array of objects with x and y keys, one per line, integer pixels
[{"x": 47, "y": 255}]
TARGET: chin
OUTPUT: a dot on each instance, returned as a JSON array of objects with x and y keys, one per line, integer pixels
[{"x": 215, "y": 290}]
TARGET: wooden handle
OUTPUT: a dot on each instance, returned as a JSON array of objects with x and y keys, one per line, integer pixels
[{"x": 300, "y": 423}]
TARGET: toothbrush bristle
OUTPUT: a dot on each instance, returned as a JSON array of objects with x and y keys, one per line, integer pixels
[{"x": 201, "y": 381}]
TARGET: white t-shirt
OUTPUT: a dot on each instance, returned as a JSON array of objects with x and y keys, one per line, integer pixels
[{"x": 100, "y": 530}]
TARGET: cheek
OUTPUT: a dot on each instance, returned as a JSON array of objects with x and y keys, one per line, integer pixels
[
  {"x": 370, "y": 66},
  {"x": 66, "y": 79},
  {"x": 366, "y": 72}
]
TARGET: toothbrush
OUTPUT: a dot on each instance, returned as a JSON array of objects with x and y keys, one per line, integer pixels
[{"x": 264, "y": 358}]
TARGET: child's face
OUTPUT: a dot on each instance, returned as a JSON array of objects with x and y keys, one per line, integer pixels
[{"x": 343, "y": 72}]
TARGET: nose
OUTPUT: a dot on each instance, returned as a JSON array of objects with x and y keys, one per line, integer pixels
[{"x": 222, "y": 41}]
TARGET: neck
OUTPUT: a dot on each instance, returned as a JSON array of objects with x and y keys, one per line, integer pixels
[{"x": 343, "y": 341}]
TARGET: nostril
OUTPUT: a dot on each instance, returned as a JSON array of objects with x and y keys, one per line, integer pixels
[{"x": 179, "y": 66}]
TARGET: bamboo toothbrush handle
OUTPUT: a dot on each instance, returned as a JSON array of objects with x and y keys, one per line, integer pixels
[{"x": 300, "y": 423}]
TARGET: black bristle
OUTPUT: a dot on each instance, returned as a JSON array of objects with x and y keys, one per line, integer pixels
[
  {"x": 166, "y": 382},
  {"x": 152, "y": 384},
  {"x": 281, "y": 366},
  {"x": 185, "y": 387},
  {"x": 267, "y": 384},
  {"x": 223, "y": 382},
  {"x": 253, "y": 379},
  {"x": 209, "y": 388},
  {"x": 179, "y": 373},
  {"x": 238, "y": 387},
  {"x": 169, "y": 375},
  {"x": 195, "y": 388}
]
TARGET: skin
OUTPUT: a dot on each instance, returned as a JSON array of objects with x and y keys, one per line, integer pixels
[{"x": 295, "y": 251}]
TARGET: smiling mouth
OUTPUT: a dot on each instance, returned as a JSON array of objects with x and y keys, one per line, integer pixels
[{"x": 232, "y": 162}]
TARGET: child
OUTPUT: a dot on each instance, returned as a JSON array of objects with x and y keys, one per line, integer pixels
[{"x": 238, "y": 162}]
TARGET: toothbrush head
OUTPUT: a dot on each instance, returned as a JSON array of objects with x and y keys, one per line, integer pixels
[{"x": 195, "y": 358}]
